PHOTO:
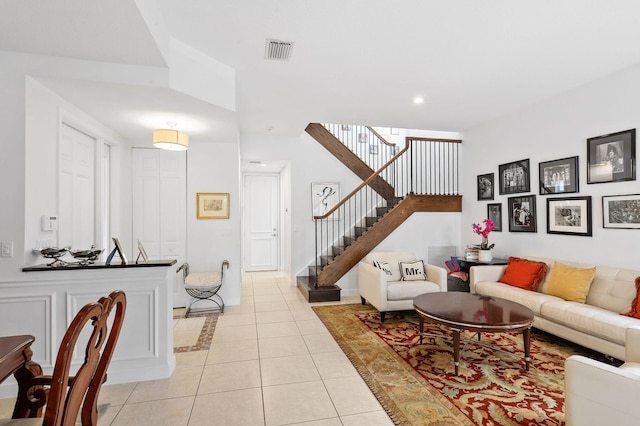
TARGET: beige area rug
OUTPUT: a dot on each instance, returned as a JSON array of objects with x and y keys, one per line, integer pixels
[
  {"x": 206, "y": 334},
  {"x": 416, "y": 383}
]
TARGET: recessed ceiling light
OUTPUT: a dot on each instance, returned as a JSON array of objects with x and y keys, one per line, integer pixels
[{"x": 418, "y": 100}]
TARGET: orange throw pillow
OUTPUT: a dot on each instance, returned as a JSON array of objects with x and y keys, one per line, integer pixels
[
  {"x": 635, "y": 305},
  {"x": 524, "y": 273}
]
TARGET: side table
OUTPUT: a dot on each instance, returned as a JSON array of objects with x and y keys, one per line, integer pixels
[{"x": 466, "y": 264}]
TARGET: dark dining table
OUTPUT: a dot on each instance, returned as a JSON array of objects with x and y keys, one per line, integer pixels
[{"x": 15, "y": 358}]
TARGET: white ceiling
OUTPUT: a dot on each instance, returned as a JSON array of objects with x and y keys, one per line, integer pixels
[{"x": 354, "y": 61}]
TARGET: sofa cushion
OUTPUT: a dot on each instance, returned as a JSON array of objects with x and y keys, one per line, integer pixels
[
  {"x": 589, "y": 319},
  {"x": 635, "y": 304},
  {"x": 570, "y": 283},
  {"x": 412, "y": 271},
  {"x": 530, "y": 299},
  {"x": 524, "y": 273},
  {"x": 383, "y": 265},
  {"x": 406, "y": 290}
]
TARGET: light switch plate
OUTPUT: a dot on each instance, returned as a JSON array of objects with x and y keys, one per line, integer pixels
[{"x": 6, "y": 249}]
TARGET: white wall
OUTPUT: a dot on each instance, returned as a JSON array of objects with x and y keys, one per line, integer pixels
[
  {"x": 215, "y": 167},
  {"x": 551, "y": 130},
  {"x": 12, "y": 164},
  {"x": 44, "y": 112}
]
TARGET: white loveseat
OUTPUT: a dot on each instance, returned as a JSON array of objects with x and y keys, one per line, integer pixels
[
  {"x": 596, "y": 324},
  {"x": 600, "y": 394},
  {"x": 386, "y": 292}
]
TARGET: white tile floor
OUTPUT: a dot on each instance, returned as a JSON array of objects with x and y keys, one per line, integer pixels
[{"x": 271, "y": 362}]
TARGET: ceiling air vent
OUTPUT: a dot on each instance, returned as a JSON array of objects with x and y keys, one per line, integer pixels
[{"x": 278, "y": 50}]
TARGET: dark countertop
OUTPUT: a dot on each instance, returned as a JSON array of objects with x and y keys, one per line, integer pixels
[{"x": 114, "y": 265}]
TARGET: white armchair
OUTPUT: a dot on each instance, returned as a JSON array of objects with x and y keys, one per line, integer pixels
[
  {"x": 385, "y": 291},
  {"x": 601, "y": 394}
]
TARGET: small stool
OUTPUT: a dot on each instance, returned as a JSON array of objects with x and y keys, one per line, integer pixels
[{"x": 203, "y": 286}]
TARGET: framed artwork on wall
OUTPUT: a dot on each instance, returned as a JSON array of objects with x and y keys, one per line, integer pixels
[
  {"x": 559, "y": 176},
  {"x": 514, "y": 177},
  {"x": 324, "y": 196},
  {"x": 522, "y": 213},
  {"x": 494, "y": 213},
  {"x": 621, "y": 211},
  {"x": 212, "y": 205},
  {"x": 485, "y": 187},
  {"x": 612, "y": 158},
  {"x": 569, "y": 216}
]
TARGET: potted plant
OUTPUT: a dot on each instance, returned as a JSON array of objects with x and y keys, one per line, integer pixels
[{"x": 484, "y": 249}]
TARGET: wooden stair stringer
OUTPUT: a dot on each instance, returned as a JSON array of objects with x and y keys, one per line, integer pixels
[
  {"x": 380, "y": 230},
  {"x": 349, "y": 159}
]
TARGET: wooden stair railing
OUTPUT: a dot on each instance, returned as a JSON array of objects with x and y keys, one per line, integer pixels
[
  {"x": 338, "y": 265},
  {"x": 359, "y": 222},
  {"x": 348, "y": 158}
]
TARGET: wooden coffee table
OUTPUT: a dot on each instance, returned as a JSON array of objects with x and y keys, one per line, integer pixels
[{"x": 464, "y": 311}]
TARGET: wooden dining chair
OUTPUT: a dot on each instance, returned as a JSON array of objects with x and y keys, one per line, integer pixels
[{"x": 67, "y": 396}]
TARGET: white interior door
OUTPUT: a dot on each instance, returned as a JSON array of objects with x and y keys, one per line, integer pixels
[
  {"x": 261, "y": 222},
  {"x": 76, "y": 196},
  {"x": 159, "y": 209}
]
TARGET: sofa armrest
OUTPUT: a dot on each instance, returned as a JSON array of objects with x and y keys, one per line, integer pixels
[
  {"x": 437, "y": 275},
  {"x": 632, "y": 345},
  {"x": 597, "y": 393},
  {"x": 372, "y": 285},
  {"x": 484, "y": 273}
]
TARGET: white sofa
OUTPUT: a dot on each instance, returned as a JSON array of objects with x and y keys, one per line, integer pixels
[
  {"x": 386, "y": 292},
  {"x": 596, "y": 324},
  {"x": 600, "y": 394}
]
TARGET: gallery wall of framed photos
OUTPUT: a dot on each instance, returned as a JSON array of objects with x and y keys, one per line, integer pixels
[{"x": 608, "y": 159}]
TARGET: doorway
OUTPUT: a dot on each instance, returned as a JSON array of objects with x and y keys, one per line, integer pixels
[{"x": 262, "y": 236}]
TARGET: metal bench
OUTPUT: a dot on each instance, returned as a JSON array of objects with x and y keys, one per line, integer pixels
[{"x": 203, "y": 286}]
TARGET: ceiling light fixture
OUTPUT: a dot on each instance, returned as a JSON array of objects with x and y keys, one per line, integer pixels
[
  {"x": 170, "y": 139},
  {"x": 418, "y": 100}
]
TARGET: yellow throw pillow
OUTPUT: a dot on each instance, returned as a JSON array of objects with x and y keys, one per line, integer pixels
[{"x": 570, "y": 283}]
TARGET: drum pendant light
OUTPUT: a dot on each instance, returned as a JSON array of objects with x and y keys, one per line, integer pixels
[{"x": 170, "y": 138}]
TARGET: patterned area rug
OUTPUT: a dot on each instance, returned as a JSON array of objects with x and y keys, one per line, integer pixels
[
  {"x": 416, "y": 383},
  {"x": 206, "y": 334}
]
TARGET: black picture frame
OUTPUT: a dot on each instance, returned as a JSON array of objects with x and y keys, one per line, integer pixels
[
  {"x": 559, "y": 176},
  {"x": 494, "y": 213},
  {"x": 522, "y": 213},
  {"x": 515, "y": 177},
  {"x": 485, "y": 186},
  {"x": 569, "y": 216},
  {"x": 612, "y": 157},
  {"x": 621, "y": 211}
]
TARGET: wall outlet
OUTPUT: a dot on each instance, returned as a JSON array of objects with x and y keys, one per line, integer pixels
[{"x": 6, "y": 248}]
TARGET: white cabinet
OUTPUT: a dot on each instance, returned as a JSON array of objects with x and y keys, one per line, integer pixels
[{"x": 159, "y": 209}]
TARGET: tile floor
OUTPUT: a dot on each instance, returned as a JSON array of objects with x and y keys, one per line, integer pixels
[{"x": 271, "y": 362}]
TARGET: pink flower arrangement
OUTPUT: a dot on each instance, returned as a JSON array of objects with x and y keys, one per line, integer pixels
[{"x": 489, "y": 226}]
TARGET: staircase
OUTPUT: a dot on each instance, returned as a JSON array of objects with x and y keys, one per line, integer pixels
[{"x": 422, "y": 177}]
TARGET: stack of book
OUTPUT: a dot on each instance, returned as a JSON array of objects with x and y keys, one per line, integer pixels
[{"x": 471, "y": 252}]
